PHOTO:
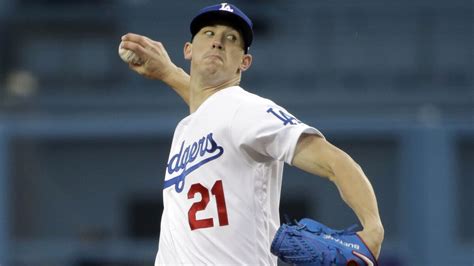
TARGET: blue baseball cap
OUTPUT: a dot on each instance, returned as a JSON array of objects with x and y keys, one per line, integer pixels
[{"x": 224, "y": 12}]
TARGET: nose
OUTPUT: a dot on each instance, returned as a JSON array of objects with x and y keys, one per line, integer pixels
[{"x": 217, "y": 45}]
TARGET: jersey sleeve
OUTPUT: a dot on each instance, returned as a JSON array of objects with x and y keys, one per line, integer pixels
[{"x": 266, "y": 131}]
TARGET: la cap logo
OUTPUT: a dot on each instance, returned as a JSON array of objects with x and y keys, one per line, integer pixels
[{"x": 226, "y": 7}]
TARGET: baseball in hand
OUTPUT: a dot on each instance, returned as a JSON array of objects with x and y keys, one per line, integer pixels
[{"x": 130, "y": 57}]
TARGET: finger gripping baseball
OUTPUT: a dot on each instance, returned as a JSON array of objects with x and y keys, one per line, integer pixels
[
  {"x": 130, "y": 57},
  {"x": 309, "y": 242}
]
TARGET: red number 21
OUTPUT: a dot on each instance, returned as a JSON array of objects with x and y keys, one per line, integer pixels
[{"x": 218, "y": 191}]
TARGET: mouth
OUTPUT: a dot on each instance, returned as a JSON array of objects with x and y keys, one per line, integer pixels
[{"x": 214, "y": 56}]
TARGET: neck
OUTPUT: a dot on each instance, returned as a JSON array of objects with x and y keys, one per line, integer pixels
[{"x": 200, "y": 91}]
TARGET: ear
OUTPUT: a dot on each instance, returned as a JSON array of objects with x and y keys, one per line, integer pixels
[
  {"x": 246, "y": 62},
  {"x": 187, "y": 51}
]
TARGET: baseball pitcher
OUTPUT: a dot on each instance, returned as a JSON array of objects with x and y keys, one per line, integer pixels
[{"x": 224, "y": 172}]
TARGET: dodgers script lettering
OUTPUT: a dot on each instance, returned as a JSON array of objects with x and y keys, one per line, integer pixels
[{"x": 189, "y": 158}]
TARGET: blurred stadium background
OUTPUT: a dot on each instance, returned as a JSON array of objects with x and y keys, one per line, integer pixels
[{"x": 84, "y": 141}]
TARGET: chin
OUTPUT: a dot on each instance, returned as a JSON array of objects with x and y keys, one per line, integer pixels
[{"x": 211, "y": 69}]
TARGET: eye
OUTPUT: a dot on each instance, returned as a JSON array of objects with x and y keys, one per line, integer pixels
[
  {"x": 231, "y": 37},
  {"x": 209, "y": 33}
]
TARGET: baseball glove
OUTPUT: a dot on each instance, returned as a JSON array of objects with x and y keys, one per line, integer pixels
[{"x": 309, "y": 242}]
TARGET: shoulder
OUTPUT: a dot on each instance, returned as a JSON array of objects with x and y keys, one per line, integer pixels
[
  {"x": 244, "y": 99},
  {"x": 240, "y": 106}
]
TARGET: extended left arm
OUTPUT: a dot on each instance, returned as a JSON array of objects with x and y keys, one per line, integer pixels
[{"x": 317, "y": 156}]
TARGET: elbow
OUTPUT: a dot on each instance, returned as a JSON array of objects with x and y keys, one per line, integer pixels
[{"x": 342, "y": 163}]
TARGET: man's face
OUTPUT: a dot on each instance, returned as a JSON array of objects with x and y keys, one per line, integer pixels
[{"x": 218, "y": 49}]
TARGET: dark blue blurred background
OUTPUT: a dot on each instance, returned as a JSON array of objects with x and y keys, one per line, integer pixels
[{"x": 84, "y": 141}]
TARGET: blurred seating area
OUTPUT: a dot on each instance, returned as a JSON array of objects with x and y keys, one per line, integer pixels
[{"x": 334, "y": 53}]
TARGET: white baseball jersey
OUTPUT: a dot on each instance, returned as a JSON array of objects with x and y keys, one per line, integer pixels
[{"x": 222, "y": 186}]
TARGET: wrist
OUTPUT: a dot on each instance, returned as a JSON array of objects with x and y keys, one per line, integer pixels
[
  {"x": 172, "y": 76},
  {"x": 165, "y": 75},
  {"x": 373, "y": 225},
  {"x": 373, "y": 237},
  {"x": 376, "y": 230}
]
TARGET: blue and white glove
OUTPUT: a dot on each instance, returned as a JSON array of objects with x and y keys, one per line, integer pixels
[{"x": 309, "y": 242}]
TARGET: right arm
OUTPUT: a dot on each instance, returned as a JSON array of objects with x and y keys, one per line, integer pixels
[{"x": 158, "y": 64}]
